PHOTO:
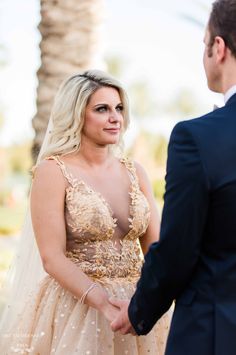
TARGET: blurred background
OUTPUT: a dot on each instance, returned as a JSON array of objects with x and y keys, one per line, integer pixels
[{"x": 155, "y": 48}]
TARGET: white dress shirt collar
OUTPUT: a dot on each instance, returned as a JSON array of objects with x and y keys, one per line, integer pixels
[{"x": 229, "y": 93}]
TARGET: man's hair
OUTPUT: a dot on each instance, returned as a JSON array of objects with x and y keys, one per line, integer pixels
[{"x": 222, "y": 22}]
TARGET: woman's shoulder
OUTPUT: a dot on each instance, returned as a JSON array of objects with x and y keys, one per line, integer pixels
[
  {"x": 46, "y": 167},
  {"x": 137, "y": 170},
  {"x": 48, "y": 180},
  {"x": 140, "y": 170}
]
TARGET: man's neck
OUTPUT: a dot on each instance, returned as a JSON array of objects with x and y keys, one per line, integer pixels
[
  {"x": 230, "y": 92},
  {"x": 228, "y": 77}
]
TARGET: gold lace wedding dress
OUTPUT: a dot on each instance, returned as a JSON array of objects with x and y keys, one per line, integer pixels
[{"x": 54, "y": 321}]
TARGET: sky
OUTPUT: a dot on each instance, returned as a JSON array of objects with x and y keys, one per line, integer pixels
[{"x": 155, "y": 41}]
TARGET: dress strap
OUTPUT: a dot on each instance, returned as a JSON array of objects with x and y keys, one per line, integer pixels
[
  {"x": 62, "y": 166},
  {"x": 129, "y": 164}
]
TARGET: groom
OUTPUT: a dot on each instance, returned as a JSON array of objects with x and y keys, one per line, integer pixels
[{"x": 194, "y": 263}]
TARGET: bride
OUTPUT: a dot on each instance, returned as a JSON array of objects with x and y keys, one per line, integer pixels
[{"x": 93, "y": 214}]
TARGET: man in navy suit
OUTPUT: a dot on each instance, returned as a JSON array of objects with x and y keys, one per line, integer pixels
[{"x": 194, "y": 263}]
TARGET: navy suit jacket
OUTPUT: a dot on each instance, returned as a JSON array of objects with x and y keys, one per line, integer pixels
[{"x": 194, "y": 263}]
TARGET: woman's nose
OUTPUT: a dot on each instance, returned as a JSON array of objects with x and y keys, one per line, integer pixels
[{"x": 114, "y": 116}]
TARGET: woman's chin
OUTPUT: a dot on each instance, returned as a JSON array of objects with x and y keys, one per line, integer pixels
[
  {"x": 108, "y": 142},
  {"x": 114, "y": 142}
]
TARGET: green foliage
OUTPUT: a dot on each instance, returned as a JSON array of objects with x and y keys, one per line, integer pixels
[
  {"x": 142, "y": 100},
  {"x": 156, "y": 146},
  {"x": 11, "y": 219},
  {"x": 115, "y": 65},
  {"x": 184, "y": 103},
  {"x": 159, "y": 188},
  {"x": 14, "y": 179},
  {"x": 4, "y": 193},
  {"x": 160, "y": 150},
  {"x": 142, "y": 103},
  {"x": 5, "y": 259},
  {"x": 153, "y": 149},
  {"x": 20, "y": 158},
  {"x": 141, "y": 95}
]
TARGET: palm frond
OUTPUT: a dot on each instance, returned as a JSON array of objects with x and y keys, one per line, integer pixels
[{"x": 192, "y": 19}]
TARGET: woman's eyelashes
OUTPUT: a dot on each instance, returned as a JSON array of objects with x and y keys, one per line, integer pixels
[
  {"x": 101, "y": 108},
  {"x": 105, "y": 108},
  {"x": 120, "y": 108}
]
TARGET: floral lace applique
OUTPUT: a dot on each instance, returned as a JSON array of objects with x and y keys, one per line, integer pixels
[{"x": 91, "y": 226}]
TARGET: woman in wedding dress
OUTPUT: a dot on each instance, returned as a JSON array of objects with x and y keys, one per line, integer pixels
[{"x": 93, "y": 215}]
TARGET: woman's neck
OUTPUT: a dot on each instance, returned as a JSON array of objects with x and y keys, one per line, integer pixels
[{"x": 94, "y": 155}]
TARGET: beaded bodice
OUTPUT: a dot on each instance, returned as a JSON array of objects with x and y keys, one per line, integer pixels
[{"x": 90, "y": 227}]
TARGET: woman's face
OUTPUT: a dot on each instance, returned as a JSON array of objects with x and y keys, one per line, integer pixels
[{"x": 103, "y": 117}]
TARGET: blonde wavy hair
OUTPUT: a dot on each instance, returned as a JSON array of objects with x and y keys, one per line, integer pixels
[{"x": 68, "y": 112}]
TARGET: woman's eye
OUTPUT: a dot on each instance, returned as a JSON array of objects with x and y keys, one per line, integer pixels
[
  {"x": 120, "y": 108},
  {"x": 101, "y": 109}
]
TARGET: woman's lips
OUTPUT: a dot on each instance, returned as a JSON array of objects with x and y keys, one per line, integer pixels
[{"x": 112, "y": 130}]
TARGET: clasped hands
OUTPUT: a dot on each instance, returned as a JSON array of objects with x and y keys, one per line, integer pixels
[{"x": 121, "y": 321}]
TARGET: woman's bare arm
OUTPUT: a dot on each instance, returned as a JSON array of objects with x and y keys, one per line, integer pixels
[
  {"x": 47, "y": 210},
  {"x": 153, "y": 230}
]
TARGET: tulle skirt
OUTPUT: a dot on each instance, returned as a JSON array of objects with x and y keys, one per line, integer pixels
[{"x": 55, "y": 322}]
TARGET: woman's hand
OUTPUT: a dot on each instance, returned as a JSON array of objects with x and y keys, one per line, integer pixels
[
  {"x": 110, "y": 312},
  {"x": 99, "y": 299}
]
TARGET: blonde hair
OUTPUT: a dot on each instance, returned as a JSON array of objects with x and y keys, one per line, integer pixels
[{"x": 67, "y": 116}]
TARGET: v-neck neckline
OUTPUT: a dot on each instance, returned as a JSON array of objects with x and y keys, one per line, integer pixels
[{"x": 75, "y": 181}]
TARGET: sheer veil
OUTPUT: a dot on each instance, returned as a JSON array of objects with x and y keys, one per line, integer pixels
[{"x": 26, "y": 270}]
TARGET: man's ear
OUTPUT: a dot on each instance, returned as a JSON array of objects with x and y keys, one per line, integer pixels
[{"x": 220, "y": 49}]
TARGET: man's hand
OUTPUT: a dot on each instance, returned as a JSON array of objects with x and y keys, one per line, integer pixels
[{"x": 121, "y": 322}]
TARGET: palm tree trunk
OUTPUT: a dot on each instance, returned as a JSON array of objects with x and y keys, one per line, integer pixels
[{"x": 69, "y": 40}]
